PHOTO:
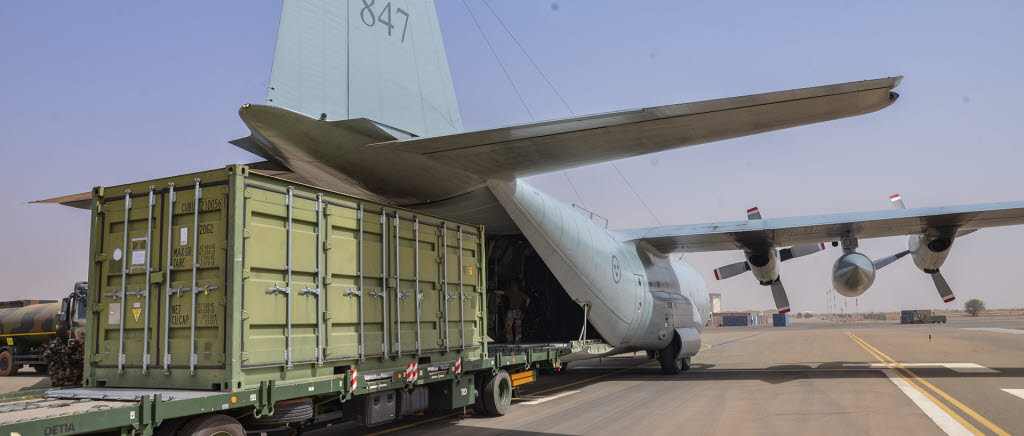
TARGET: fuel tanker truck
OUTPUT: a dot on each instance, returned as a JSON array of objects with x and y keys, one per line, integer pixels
[{"x": 28, "y": 326}]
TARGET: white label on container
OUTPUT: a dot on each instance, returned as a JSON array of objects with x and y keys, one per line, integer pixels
[
  {"x": 184, "y": 236},
  {"x": 114, "y": 314},
  {"x": 139, "y": 251},
  {"x": 117, "y": 254}
]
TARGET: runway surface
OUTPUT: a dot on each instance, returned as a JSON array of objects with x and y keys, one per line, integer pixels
[{"x": 812, "y": 377}]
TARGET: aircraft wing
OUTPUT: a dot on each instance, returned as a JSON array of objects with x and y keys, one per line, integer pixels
[
  {"x": 778, "y": 232},
  {"x": 524, "y": 150}
]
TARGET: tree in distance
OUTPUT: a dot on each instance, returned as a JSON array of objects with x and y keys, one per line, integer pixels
[{"x": 973, "y": 306}]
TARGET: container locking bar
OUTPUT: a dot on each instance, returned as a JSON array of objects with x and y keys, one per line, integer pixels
[
  {"x": 287, "y": 290},
  {"x": 318, "y": 276},
  {"x": 170, "y": 266},
  {"x": 384, "y": 282},
  {"x": 462, "y": 299},
  {"x": 398, "y": 294},
  {"x": 362, "y": 339},
  {"x": 193, "y": 359},
  {"x": 149, "y": 270},
  {"x": 444, "y": 279},
  {"x": 124, "y": 282},
  {"x": 416, "y": 274}
]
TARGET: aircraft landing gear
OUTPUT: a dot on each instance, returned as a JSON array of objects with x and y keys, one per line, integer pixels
[{"x": 671, "y": 361}]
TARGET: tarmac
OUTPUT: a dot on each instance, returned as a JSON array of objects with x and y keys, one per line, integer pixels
[{"x": 813, "y": 377}]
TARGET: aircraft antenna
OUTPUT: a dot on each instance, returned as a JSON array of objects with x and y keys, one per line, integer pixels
[
  {"x": 523, "y": 49},
  {"x": 500, "y": 64}
]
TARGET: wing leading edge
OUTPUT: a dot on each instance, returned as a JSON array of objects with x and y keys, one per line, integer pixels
[{"x": 823, "y": 228}]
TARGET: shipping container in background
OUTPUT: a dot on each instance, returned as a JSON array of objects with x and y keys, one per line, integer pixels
[
  {"x": 736, "y": 321},
  {"x": 780, "y": 320}
]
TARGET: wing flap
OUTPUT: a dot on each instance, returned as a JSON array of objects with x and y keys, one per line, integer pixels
[{"x": 811, "y": 229}]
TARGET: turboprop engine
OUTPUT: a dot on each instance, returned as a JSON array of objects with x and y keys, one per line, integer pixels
[
  {"x": 929, "y": 252},
  {"x": 852, "y": 274},
  {"x": 763, "y": 262}
]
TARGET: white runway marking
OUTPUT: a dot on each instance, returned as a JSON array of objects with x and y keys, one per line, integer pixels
[
  {"x": 937, "y": 415},
  {"x": 996, "y": 330},
  {"x": 546, "y": 399},
  {"x": 958, "y": 367},
  {"x": 1017, "y": 392}
]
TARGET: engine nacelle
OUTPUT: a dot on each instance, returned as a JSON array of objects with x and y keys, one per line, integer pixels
[
  {"x": 852, "y": 274},
  {"x": 764, "y": 265},
  {"x": 929, "y": 252}
]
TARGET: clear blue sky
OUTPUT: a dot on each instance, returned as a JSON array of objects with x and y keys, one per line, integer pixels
[{"x": 98, "y": 93}]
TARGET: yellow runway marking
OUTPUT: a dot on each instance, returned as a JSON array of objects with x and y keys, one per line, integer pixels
[
  {"x": 705, "y": 346},
  {"x": 941, "y": 393}
]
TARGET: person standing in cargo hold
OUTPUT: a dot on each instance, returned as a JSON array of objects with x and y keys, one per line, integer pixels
[{"x": 518, "y": 301}]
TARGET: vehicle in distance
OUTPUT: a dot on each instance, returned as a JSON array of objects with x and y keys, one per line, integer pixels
[{"x": 28, "y": 326}]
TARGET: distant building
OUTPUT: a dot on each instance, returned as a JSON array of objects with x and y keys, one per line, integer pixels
[{"x": 716, "y": 303}]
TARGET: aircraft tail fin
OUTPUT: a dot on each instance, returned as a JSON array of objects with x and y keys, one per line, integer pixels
[{"x": 384, "y": 61}]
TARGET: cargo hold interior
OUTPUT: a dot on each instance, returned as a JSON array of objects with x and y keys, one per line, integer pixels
[{"x": 551, "y": 317}]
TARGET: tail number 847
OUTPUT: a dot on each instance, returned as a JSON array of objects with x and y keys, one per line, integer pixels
[{"x": 384, "y": 17}]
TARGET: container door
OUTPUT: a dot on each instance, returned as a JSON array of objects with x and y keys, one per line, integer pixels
[{"x": 282, "y": 256}]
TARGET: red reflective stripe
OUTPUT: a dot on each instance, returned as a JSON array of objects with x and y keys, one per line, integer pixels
[
  {"x": 783, "y": 311},
  {"x": 716, "y": 275},
  {"x": 751, "y": 209},
  {"x": 950, "y": 299},
  {"x": 822, "y": 245},
  {"x": 894, "y": 196}
]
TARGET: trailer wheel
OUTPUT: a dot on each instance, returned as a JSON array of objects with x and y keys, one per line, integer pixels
[
  {"x": 213, "y": 424},
  {"x": 497, "y": 394},
  {"x": 7, "y": 365}
]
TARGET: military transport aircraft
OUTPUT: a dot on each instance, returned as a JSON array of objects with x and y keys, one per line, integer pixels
[{"x": 361, "y": 101}]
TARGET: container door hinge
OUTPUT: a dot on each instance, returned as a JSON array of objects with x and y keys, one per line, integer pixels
[
  {"x": 247, "y": 194},
  {"x": 245, "y": 274},
  {"x": 246, "y": 234},
  {"x": 327, "y": 245},
  {"x": 245, "y": 315},
  {"x": 327, "y": 316},
  {"x": 101, "y": 257},
  {"x": 244, "y": 356}
]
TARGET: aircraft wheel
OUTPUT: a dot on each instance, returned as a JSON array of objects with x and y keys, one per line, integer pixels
[
  {"x": 671, "y": 362},
  {"x": 498, "y": 394},
  {"x": 7, "y": 365},
  {"x": 213, "y": 424}
]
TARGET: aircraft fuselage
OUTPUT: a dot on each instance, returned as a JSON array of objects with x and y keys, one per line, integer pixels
[{"x": 638, "y": 298}]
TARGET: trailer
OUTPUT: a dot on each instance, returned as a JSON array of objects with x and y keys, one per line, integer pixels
[{"x": 231, "y": 297}]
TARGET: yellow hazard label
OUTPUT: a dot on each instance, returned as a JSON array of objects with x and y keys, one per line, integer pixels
[
  {"x": 135, "y": 312},
  {"x": 470, "y": 270},
  {"x": 10, "y": 341}
]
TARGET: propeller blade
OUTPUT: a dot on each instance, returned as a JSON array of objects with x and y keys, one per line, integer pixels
[
  {"x": 779, "y": 294},
  {"x": 897, "y": 201},
  {"x": 730, "y": 270},
  {"x": 944, "y": 290},
  {"x": 878, "y": 264},
  {"x": 753, "y": 214},
  {"x": 800, "y": 250}
]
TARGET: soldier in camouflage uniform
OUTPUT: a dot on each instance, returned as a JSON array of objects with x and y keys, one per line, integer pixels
[
  {"x": 76, "y": 359},
  {"x": 56, "y": 356}
]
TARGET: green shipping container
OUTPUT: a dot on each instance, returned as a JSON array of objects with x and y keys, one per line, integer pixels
[{"x": 222, "y": 279}]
